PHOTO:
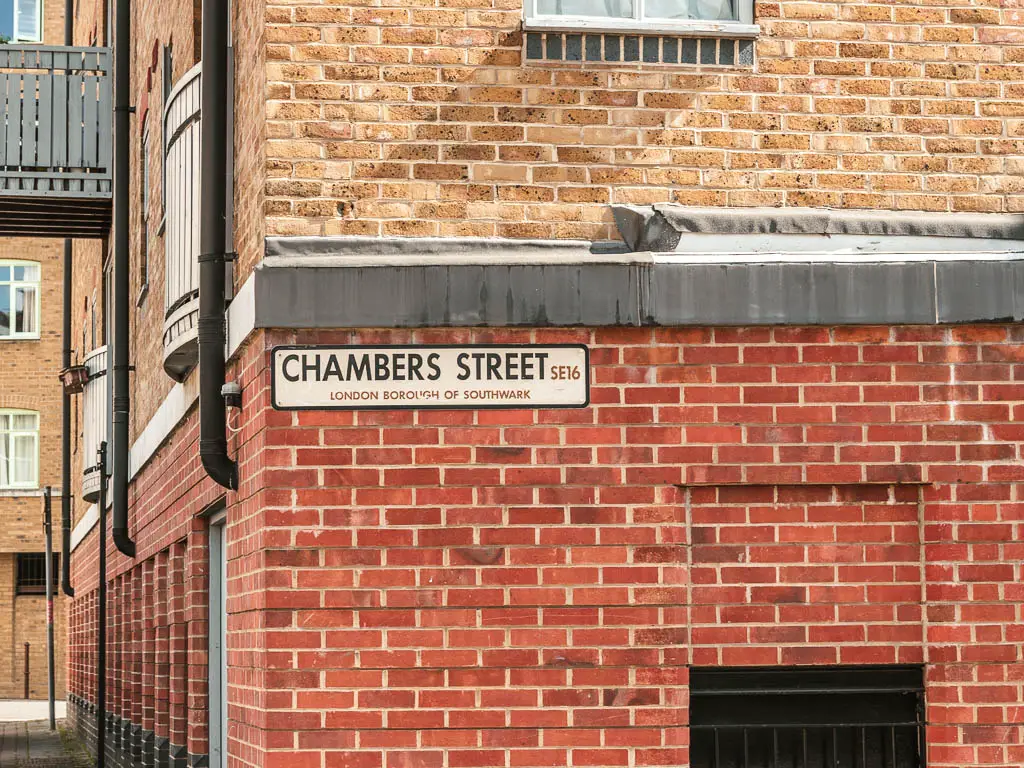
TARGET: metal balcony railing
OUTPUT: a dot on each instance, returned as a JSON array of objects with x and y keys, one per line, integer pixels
[
  {"x": 181, "y": 236},
  {"x": 95, "y": 419},
  {"x": 55, "y": 141}
]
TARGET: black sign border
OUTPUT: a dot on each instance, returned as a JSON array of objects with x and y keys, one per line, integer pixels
[{"x": 552, "y": 406}]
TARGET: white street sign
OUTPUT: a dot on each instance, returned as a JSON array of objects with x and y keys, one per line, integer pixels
[{"x": 430, "y": 376}]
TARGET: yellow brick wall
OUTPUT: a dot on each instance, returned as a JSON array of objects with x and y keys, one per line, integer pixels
[
  {"x": 23, "y": 620},
  {"x": 250, "y": 134},
  {"x": 422, "y": 117},
  {"x": 153, "y": 26},
  {"x": 28, "y": 379},
  {"x": 53, "y": 22}
]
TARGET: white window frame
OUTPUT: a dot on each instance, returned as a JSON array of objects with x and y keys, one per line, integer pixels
[
  {"x": 9, "y": 435},
  {"x": 18, "y": 38},
  {"x": 144, "y": 159},
  {"x": 9, "y": 286},
  {"x": 640, "y": 23}
]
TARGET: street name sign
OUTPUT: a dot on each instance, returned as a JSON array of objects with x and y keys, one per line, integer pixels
[{"x": 478, "y": 376}]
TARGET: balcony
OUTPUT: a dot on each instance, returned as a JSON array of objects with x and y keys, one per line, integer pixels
[
  {"x": 181, "y": 236},
  {"x": 95, "y": 419},
  {"x": 55, "y": 141}
]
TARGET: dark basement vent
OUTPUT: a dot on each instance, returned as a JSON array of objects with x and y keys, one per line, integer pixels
[
  {"x": 808, "y": 717},
  {"x": 30, "y": 575},
  {"x": 647, "y": 49}
]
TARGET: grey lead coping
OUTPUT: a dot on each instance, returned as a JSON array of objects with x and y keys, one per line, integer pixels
[
  {"x": 862, "y": 267},
  {"x": 633, "y": 293},
  {"x": 660, "y": 228}
]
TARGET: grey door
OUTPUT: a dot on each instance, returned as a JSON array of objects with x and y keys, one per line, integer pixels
[{"x": 218, "y": 677}]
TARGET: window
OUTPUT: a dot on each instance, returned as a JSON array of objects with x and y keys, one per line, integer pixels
[
  {"x": 811, "y": 717},
  {"x": 19, "y": 300},
  {"x": 31, "y": 573},
  {"x": 19, "y": 449},
  {"x": 641, "y": 15},
  {"x": 21, "y": 21},
  {"x": 92, "y": 323},
  {"x": 144, "y": 206},
  {"x": 167, "y": 84}
]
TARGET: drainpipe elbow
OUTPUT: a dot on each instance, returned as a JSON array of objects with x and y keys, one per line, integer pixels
[{"x": 214, "y": 455}]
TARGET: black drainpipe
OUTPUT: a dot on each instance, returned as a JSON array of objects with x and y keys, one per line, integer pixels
[
  {"x": 65, "y": 439},
  {"x": 119, "y": 326},
  {"x": 213, "y": 444},
  {"x": 65, "y": 400}
]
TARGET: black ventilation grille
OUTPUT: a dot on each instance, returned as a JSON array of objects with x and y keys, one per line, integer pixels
[
  {"x": 646, "y": 49},
  {"x": 31, "y": 573},
  {"x": 810, "y": 717}
]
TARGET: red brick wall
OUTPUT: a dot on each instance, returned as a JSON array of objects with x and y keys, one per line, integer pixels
[{"x": 529, "y": 588}]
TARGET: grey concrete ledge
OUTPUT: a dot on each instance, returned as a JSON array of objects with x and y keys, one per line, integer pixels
[{"x": 636, "y": 292}]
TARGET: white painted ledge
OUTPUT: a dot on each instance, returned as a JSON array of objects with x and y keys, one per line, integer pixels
[
  {"x": 692, "y": 28},
  {"x": 172, "y": 410},
  {"x": 241, "y": 316},
  {"x": 15, "y": 493},
  {"x": 86, "y": 524}
]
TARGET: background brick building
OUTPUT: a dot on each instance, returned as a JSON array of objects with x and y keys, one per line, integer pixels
[
  {"x": 800, "y": 448},
  {"x": 28, "y": 382}
]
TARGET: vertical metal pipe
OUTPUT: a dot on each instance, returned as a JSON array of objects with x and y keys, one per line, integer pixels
[
  {"x": 213, "y": 444},
  {"x": 26, "y": 669},
  {"x": 101, "y": 618},
  {"x": 65, "y": 401},
  {"x": 122, "y": 258},
  {"x": 48, "y": 530},
  {"x": 65, "y": 438}
]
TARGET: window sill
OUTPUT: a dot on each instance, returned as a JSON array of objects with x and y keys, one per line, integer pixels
[
  {"x": 731, "y": 29},
  {"x": 9, "y": 491},
  {"x": 25, "y": 337}
]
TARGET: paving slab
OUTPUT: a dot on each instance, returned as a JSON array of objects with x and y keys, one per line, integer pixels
[
  {"x": 31, "y": 744},
  {"x": 24, "y": 709}
]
